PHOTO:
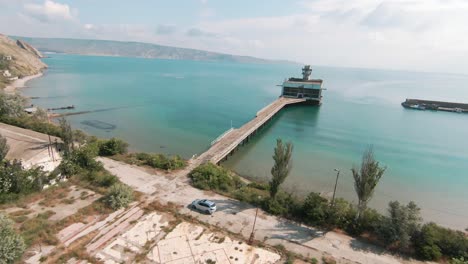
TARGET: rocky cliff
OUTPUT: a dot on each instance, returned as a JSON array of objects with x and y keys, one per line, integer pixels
[{"x": 19, "y": 59}]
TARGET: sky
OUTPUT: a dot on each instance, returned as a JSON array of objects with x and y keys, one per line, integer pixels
[{"x": 418, "y": 35}]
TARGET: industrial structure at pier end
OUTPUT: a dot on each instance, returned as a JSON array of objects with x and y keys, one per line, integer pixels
[{"x": 303, "y": 88}]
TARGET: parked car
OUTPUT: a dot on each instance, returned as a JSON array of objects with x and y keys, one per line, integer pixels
[{"x": 204, "y": 205}]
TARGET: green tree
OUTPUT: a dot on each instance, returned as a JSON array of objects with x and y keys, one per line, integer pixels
[
  {"x": 461, "y": 260},
  {"x": 282, "y": 166},
  {"x": 434, "y": 241},
  {"x": 41, "y": 115},
  {"x": 366, "y": 179},
  {"x": 402, "y": 222},
  {"x": 118, "y": 196},
  {"x": 4, "y": 148},
  {"x": 12, "y": 245},
  {"x": 66, "y": 135},
  {"x": 11, "y": 105}
]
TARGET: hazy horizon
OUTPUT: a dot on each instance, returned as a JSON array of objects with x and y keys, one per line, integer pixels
[{"x": 421, "y": 36}]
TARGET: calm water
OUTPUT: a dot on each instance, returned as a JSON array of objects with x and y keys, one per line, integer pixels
[{"x": 178, "y": 107}]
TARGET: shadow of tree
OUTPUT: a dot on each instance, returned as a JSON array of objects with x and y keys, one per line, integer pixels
[
  {"x": 231, "y": 206},
  {"x": 364, "y": 246},
  {"x": 39, "y": 146},
  {"x": 292, "y": 231}
]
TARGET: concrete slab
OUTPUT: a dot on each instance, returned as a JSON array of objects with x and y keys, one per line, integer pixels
[{"x": 31, "y": 147}]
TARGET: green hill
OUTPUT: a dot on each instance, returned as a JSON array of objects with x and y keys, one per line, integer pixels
[{"x": 134, "y": 49}]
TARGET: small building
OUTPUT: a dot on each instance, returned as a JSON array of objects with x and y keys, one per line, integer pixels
[
  {"x": 309, "y": 89},
  {"x": 6, "y": 73},
  {"x": 30, "y": 110},
  {"x": 7, "y": 57}
]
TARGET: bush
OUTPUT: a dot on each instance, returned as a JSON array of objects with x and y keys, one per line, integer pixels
[
  {"x": 283, "y": 204},
  {"x": 112, "y": 147},
  {"x": 211, "y": 177},
  {"x": 368, "y": 222},
  {"x": 100, "y": 178},
  {"x": 84, "y": 158},
  {"x": 12, "y": 245},
  {"x": 315, "y": 209},
  {"x": 433, "y": 241},
  {"x": 33, "y": 124},
  {"x": 4, "y": 148},
  {"x": 341, "y": 214},
  {"x": 160, "y": 161},
  {"x": 458, "y": 261},
  {"x": 118, "y": 196},
  {"x": 14, "y": 180},
  {"x": 401, "y": 224}
]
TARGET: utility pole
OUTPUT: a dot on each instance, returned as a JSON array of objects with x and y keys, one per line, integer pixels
[
  {"x": 252, "y": 234},
  {"x": 336, "y": 183}
]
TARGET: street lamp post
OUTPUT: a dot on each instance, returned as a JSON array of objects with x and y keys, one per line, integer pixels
[
  {"x": 252, "y": 234},
  {"x": 336, "y": 183}
]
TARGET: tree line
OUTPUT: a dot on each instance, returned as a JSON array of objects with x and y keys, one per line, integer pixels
[{"x": 401, "y": 229}]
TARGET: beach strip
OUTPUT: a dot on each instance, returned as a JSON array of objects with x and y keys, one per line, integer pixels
[{"x": 20, "y": 83}]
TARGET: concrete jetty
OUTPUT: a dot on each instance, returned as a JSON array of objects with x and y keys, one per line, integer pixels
[{"x": 229, "y": 142}]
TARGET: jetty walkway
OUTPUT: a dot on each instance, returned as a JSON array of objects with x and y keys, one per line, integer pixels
[{"x": 229, "y": 141}]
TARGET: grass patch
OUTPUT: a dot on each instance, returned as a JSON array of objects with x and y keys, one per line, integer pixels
[
  {"x": 39, "y": 230},
  {"x": 157, "y": 161}
]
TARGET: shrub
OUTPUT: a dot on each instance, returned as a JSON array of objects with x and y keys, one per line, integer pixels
[
  {"x": 315, "y": 209},
  {"x": 31, "y": 123},
  {"x": 458, "y": 261},
  {"x": 12, "y": 245},
  {"x": 211, "y": 177},
  {"x": 160, "y": 161},
  {"x": 369, "y": 221},
  {"x": 4, "y": 148},
  {"x": 249, "y": 195},
  {"x": 283, "y": 204},
  {"x": 68, "y": 167},
  {"x": 118, "y": 196},
  {"x": 100, "y": 178},
  {"x": 112, "y": 147},
  {"x": 433, "y": 241},
  {"x": 15, "y": 180},
  {"x": 341, "y": 214},
  {"x": 84, "y": 158},
  {"x": 401, "y": 224}
]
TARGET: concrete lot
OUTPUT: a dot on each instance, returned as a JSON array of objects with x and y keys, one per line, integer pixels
[
  {"x": 238, "y": 217},
  {"x": 30, "y": 147}
]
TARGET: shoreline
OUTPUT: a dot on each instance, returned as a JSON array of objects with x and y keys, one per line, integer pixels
[{"x": 21, "y": 83}]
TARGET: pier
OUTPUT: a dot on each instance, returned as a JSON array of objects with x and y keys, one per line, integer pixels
[
  {"x": 419, "y": 104},
  {"x": 229, "y": 141}
]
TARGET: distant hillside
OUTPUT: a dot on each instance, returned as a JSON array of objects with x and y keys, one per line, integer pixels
[
  {"x": 19, "y": 59},
  {"x": 133, "y": 49}
]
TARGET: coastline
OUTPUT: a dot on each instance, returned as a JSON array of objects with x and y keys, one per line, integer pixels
[{"x": 20, "y": 83}]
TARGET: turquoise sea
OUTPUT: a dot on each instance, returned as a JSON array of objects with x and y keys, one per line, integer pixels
[{"x": 178, "y": 107}]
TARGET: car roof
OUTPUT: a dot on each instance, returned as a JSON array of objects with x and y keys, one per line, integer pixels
[{"x": 208, "y": 202}]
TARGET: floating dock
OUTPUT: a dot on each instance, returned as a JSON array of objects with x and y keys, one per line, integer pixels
[
  {"x": 229, "y": 141},
  {"x": 419, "y": 104}
]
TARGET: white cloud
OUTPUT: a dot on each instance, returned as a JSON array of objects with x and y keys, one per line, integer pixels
[
  {"x": 414, "y": 34},
  {"x": 89, "y": 26},
  {"x": 50, "y": 11}
]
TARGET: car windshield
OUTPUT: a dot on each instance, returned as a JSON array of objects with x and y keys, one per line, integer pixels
[{"x": 209, "y": 203}]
